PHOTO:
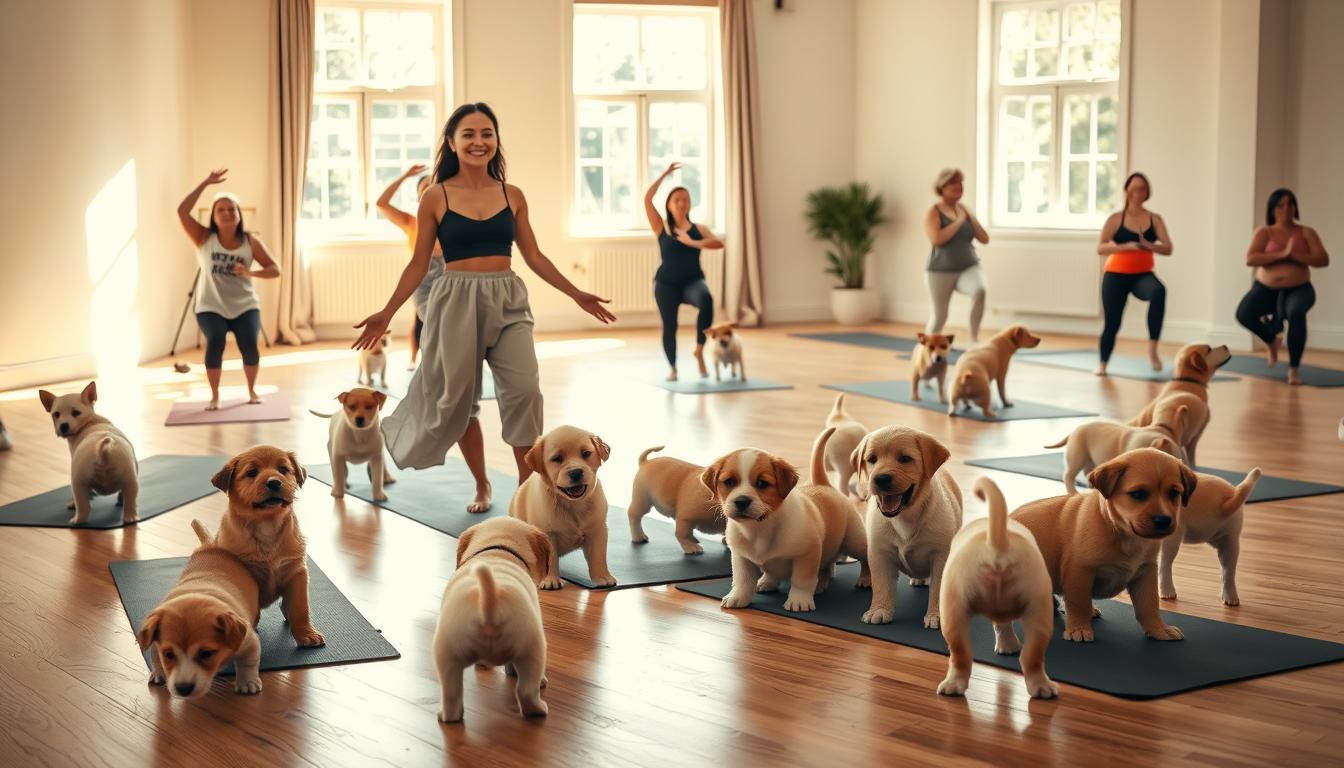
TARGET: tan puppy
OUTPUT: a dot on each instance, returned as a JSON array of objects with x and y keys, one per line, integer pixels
[
  {"x": 261, "y": 529},
  {"x": 673, "y": 487},
  {"x": 1212, "y": 517},
  {"x": 564, "y": 498},
  {"x": 847, "y": 436},
  {"x": 102, "y": 459},
  {"x": 1097, "y": 442},
  {"x": 930, "y": 362},
  {"x": 1189, "y": 387},
  {"x": 357, "y": 438},
  {"x": 996, "y": 570},
  {"x": 779, "y": 530},
  {"x": 987, "y": 363},
  {"x": 727, "y": 350},
  {"x": 914, "y": 510},
  {"x": 491, "y": 614},
  {"x": 206, "y": 619},
  {"x": 374, "y": 360},
  {"x": 1098, "y": 543}
]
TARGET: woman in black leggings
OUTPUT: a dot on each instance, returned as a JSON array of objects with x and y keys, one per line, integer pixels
[
  {"x": 679, "y": 279},
  {"x": 1283, "y": 253},
  {"x": 1128, "y": 241}
]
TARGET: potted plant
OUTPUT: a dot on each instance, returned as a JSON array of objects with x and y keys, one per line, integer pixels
[{"x": 845, "y": 218}]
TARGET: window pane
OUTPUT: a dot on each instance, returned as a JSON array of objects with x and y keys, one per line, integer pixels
[
  {"x": 340, "y": 66},
  {"x": 399, "y": 141},
  {"x": 1013, "y": 32},
  {"x": 338, "y": 26},
  {"x": 1078, "y": 61},
  {"x": 1080, "y": 124},
  {"x": 674, "y": 52},
  {"x": 1016, "y": 172},
  {"x": 1046, "y": 25},
  {"x": 1106, "y": 60},
  {"x": 605, "y": 51},
  {"x": 1078, "y": 22},
  {"x": 1078, "y": 183},
  {"x": 691, "y": 180},
  {"x": 342, "y": 110},
  {"x": 338, "y": 184},
  {"x": 1047, "y": 62},
  {"x": 591, "y": 197},
  {"x": 1036, "y": 188},
  {"x": 312, "y": 194},
  {"x": 399, "y": 48},
  {"x": 590, "y": 141},
  {"x": 1013, "y": 128},
  {"x": 1108, "y": 19},
  {"x": 1107, "y": 186},
  {"x": 1107, "y": 118},
  {"x": 1014, "y": 65},
  {"x": 1042, "y": 126}
]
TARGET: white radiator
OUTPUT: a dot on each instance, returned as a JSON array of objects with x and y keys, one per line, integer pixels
[
  {"x": 351, "y": 283},
  {"x": 624, "y": 273}
]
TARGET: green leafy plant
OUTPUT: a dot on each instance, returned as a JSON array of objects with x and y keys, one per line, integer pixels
[{"x": 845, "y": 217}]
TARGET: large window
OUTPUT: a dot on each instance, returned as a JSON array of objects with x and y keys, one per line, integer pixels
[
  {"x": 1057, "y": 145},
  {"x": 377, "y": 101},
  {"x": 644, "y": 82}
]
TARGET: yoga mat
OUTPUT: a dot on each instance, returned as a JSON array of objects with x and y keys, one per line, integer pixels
[
  {"x": 436, "y": 497},
  {"x": 1085, "y": 360},
  {"x": 274, "y": 407},
  {"x": 350, "y": 637},
  {"x": 895, "y": 391},
  {"x": 699, "y": 386},
  {"x": 863, "y": 339},
  {"x": 658, "y": 561},
  {"x": 1312, "y": 376},
  {"x": 166, "y": 482},
  {"x": 1122, "y": 662},
  {"x": 1050, "y": 466}
]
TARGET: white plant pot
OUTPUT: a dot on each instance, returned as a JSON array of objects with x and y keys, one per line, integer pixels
[{"x": 854, "y": 306}]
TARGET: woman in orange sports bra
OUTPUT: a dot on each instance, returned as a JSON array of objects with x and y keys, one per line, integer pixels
[{"x": 1128, "y": 241}]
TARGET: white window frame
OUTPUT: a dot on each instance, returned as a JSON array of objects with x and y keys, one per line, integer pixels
[
  {"x": 643, "y": 99},
  {"x": 991, "y": 98},
  {"x": 366, "y": 188}
]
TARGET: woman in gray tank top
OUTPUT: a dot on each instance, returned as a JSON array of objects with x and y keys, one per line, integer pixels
[{"x": 953, "y": 264}]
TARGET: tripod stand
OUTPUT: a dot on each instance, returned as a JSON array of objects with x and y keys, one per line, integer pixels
[{"x": 191, "y": 296}]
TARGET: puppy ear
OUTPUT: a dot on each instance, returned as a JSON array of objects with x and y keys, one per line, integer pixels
[
  {"x": 231, "y": 628},
  {"x": 299, "y": 473},
  {"x": 379, "y": 398},
  {"x": 541, "y": 547},
  {"x": 1198, "y": 362},
  {"x": 90, "y": 393},
  {"x": 224, "y": 477},
  {"x": 786, "y": 477},
  {"x": 921, "y": 337},
  {"x": 950, "y": 337},
  {"x": 934, "y": 453},
  {"x": 856, "y": 460},
  {"x": 1189, "y": 480},
  {"x": 1106, "y": 478},
  {"x": 342, "y": 397},
  {"x": 603, "y": 450},
  {"x": 47, "y": 399},
  {"x": 534, "y": 457},
  {"x": 149, "y": 630},
  {"x": 710, "y": 477},
  {"x": 463, "y": 542}
]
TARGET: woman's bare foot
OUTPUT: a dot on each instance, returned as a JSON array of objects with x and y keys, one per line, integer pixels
[
  {"x": 213, "y": 405},
  {"x": 1294, "y": 378},
  {"x": 672, "y": 376},
  {"x": 1101, "y": 369},
  {"x": 482, "y": 501},
  {"x": 1272, "y": 352},
  {"x": 700, "y": 361},
  {"x": 253, "y": 398},
  {"x": 1155, "y": 361}
]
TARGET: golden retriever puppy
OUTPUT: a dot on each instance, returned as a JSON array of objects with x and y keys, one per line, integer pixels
[
  {"x": 986, "y": 364},
  {"x": 1189, "y": 387},
  {"x": 1212, "y": 517},
  {"x": 1097, "y": 442},
  {"x": 673, "y": 487}
]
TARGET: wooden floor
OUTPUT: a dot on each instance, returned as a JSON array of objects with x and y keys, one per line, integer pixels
[{"x": 653, "y": 676}]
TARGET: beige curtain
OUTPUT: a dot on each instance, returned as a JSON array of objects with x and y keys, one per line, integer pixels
[
  {"x": 293, "y": 73},
  {"x": 743, "y": 300}
]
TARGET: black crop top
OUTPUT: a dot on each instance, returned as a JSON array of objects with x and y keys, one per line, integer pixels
[
  {"x": 1124, "y": 234},
  {"x": 680, "y": 263},
  {"x": 462, "y": 237}
]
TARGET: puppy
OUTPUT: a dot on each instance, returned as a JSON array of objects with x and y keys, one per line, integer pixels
[
  {"x": 778, "y": 530},
  {"x": 913, "y": 511},
  {"x": 996, "y": 570},
  {"x": 374, "y": 360},
  {"x": 987, "y": 363},
  {"x": 847, "y": 436},
  {"x": 102, "y": 459},
  {"x": 930, "y": 362},
  {"x": 1097, "y": 442},
  {"x": 564, "y": 498},
  {"x": 1195, "y": 366},
  {"x": 261, "y": 529},
  {"x": 206, "y": 619},
  {"x": 673, "y": 487},
  {"x": 356, "y": 438},
  {"x": 1212, "y": 517},
  {"x": 1107, "y": 539},
  {"x": 727, "y": 350},
  {"x": 491, "y": 614}
]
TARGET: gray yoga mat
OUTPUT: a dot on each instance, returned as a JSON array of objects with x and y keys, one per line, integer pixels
[
  {"x": 1085, "y": 360},
  {"x": 166, "y": 483},
  {"x": 863, "y": 339},
  {"x": 702, "y": 386},
  {"x": 350, "y": 637},
  {"x": 658, "y": 561},
  {"x": 1050, "y": 466},
  {"x": 1312, "y": 375},
  {"x": 1122, "y": 662},
  {"x": 895, "y": 391}
]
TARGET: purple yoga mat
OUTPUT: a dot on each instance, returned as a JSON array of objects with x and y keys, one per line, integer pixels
[{"x": 232, "y": 408}]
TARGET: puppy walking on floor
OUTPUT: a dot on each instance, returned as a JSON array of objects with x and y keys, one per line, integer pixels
[
  {"x": 727, "y": 351},
  {"x": 374, "y": 360},
  {"x": 929, "y": 362},
  {"x": 1213, "y": 517},
  {"x": 102, "y": 459},
  {"x": 673, "y": 487},
  {"x": 356, "y": 437}
]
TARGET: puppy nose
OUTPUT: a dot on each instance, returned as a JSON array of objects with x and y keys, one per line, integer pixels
[
  {"x": 742, "y": 502},
  {"x": 274, "y": 483},
  {"x": 882, "y": 481},
  {"x": 576, "y": 475},
  {"x": 1161, "y": 522},
  {"x": 64, "y": 428},
  {"x": 184, "y": 689},
  {"x": 359, "y": 421}
]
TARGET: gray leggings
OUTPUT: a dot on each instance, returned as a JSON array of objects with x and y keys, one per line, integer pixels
[
  {"x": 215, "y": 328},
  {"x": 968, "y": 282}
]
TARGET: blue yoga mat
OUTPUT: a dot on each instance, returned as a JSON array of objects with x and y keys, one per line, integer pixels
[
  {"x": 1312, "y": 375},
  {"x": 1085, "y": 360},
  {"x": 864, "y": 339},
  {"x": 166, "y": 483},
  {"x": 899, "y": 392}
]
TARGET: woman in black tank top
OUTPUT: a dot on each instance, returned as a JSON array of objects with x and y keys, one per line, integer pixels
[{"x": 679, "y": 279}]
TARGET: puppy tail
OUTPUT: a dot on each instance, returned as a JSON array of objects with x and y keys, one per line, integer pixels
[
  {"x": 202, "y": 532},
  {"x": 1060, "y": 444},
  {"x": 1244, "y": 488},
  {"x": 105, "y": 448},
  {"x": 643, "y": 457},
  {"x": 837, "y": 410},
  {"x": 489, "y": 596},
  {"x": 986, "y": 490},
  {"x": 819, "y": 458},
  {"x": 964, "y": 378},
  {"x": 321, "y": 415}
]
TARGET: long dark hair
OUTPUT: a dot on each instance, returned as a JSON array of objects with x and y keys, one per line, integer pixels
[
  {"x": 1274, "y": 198},
  {"x": 1128, "y": 181},
  {"x": 242, "y": 231},
  {"x": 667, "y": 209},
  {"x": 446, "y": 165}
]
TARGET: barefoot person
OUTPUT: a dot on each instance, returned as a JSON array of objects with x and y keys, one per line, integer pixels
[{"x": 1128, "y": 241}]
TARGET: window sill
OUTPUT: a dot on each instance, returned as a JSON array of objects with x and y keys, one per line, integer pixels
[{"x": 1038, "y": 234}]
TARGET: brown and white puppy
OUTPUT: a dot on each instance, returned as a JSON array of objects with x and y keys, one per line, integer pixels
[
  {"x": 491, "y": 615},
  {"x": 673, "y": 487},
  {"x": 261, "y": 529},
  {"x": 847, "y": 436},
  {"x": 985, "y": 364},
  {"x": 357, "y": 438},
  {"x": 1106, "y": 540},
  {"x": 780, "y": 530},
  {"x": 207, "y": 619},
  {"x": 102, "y": 459},
  {"x": 914, "y": 510},
  {"x": 374, "y": 360},
  {"x": 1189, "y": 387},
  {"x": 1097, "y": 442},
  {"x": 1213, "y": 517},
  {"x": 727, "y": 350},
  {"x": 929, "y": 362},
  {"x": 564, "y": 498},
  {"x": 996, "y": 570}
]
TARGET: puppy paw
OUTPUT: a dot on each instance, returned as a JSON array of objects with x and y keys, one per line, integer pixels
[
  {"x": 450, "y": 713},
  {"x": 309, "y": 638},
  {"x": 800, "y": 603},
  {"x": 766, "y": 584},
  {"x": 865, "y": 581},
  {"x": 931, "y": 621},
  {"x": 551, "y": 582},
  {"x": 1078, "y": 634},
  {"x": 536, "y": 708},
  {"x": 130, "y": 517},
  {"x": 919, "y": 582},
  {"x": 952, "y": 686},
  {"x": 1167, "y": 593},
  {"x": 247, "y": 687},
  {"x": 735, "y": 600},
  {"x": 380, "y": 496},
  {"x": 641, "y": 538},
  {"x": 1231, "y": 598},
  {"x": 1042, "y": 687},
  {"x": 1165, "y": 632},
  {"x": 74, "y": 521},
  {"x": 156, "y": 679},
  {"x": 603, "y": 581},
  {"x": 1008, "y": 647},
  {"x": 879, "y": 615},
  {"x": 691, "y": 549},
  {"x": 388, "y": 480}
]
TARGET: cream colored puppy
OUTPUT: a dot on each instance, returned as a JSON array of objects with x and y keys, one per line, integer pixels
[
  {"x": 914, "y": 510},
  {"x": 1097, "y": 442},
  {"x": 779, "y": 530},
  {"x": 847, "y": 436},
  {"x": 1212, "y": 517},
  {"x": 564, "y": 498},
  {"x": 985, "y": 365},
  {"x": 1195, "y": 367},
  {"x": 374, "y": 360},
  {"x": 996, "y": 570},
  {"x": 727, "y": 350},
  {"x": 491, "y": 614},
  {"x": 357, "y": 438},
  {"x": 673, "y": 487},
  {"x": 102, "y": 459}
]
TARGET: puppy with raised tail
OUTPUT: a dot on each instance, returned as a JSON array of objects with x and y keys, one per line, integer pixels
[
  {"x": 673, "y": 487},
  {"x": 727, "y": 351},
  {"x": 564, "y": 498},
  {"x": 1097, "y": 442},
  {"x": 929, "y": 362},
  {"x": 847, "y": 436},
  {"x": 207, "y": 619},
  {"x": 261, "y": 529},
  {"x": 374, "y": 360},
  {"x": 996, "y": 570},
  {"x": 102, "y": 459},
  {"x": 1213, "y": 517},
  {"x": 491, "y": 614},
  {"x": 914, "y": 510},
  {"x": 780, "y": 530},
  {"x": 987, "y": 364},
  {"x": 357, "y": 438}
]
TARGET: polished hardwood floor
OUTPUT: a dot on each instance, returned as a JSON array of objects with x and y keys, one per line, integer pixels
[{"x": 652, "y": 676}]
